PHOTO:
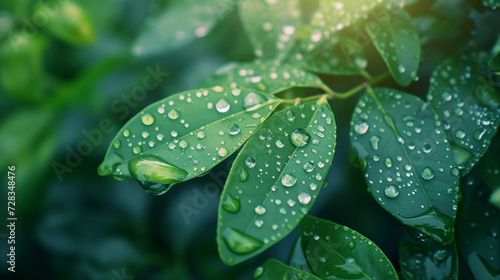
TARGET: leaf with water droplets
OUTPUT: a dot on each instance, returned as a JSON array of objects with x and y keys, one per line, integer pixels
[
  {"x": 495, "y": 64},
  {"x": 494, "y": 4},
  {"x": 179, "y": 24},
  {"x": 339, "y": 55},
  {"x": 273, "y": 269},
  {"x": 271, "y": 25},
  {"x": 297, "y": 258},
  {"x": 338, "y": 252},
  {"x": 185, "y": 135},
  {"x": 265, "y": 76},
  {"x": 478, "y": 231},
  {"x": 397, "y": 41},
  {"x": 409, "y": 166},
  {"x": 468, "y": 103},
  {"x": 428, "y": 260},
  {"x": 279, "y": 187}
]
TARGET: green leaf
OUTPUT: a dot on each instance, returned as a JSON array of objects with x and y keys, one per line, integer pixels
[
  {"x": 266, "y": 76},
  {"x": 297, "y": 257},
  {"x": 340, "y": 55},
  {"x": 275, "y": 179},
  {"x": 179, "y": 24},
  {"x": 270, "y": 25},
  {"x": 407, "y": 160},
  {"x": 273, "y": 269},
  {"x": 185, "y": 135},
  {"x": 478, "y": 229},
  {"x": 428, "y": 260},
  {"x": 468, "y": 103},
  {"x": 495, "y": 64},
  {"x": 397, "y": 41},
  {"x": 492, "y": 3},
  {"x": 488, "y": 167},
  {"x": 338, "y": 252}
]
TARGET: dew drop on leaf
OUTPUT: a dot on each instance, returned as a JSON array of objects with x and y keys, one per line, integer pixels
[
  {"x": 309, "y": 166},
  {"x": 250, "y": 162},
  {"x": 183, "y": 144},
  {"x": 290, "y": 115},
  {"x": 351, "y": 244},
  {"x": 251, "y": 100},
  {"x": 147, "y": 119},
  {"x": 173, "y": 114},
  {"x": 233, "y": 129},
  {"x": 222, "y": 152},
  {"x": 260, "y": 210},
  {"x": 374, "y": 140},
  {"x": 258, "y": 272},
  {"x": 391, "y": 191},
  {"x": 200, "y": 134},
  {"x": 427, "y": 173},
  {"x": 361, "y": 127},
  {"x": 243, "y": 174},
  {"x": 279, "y": 144},
  {"x": 288, "y": 180},
  {"x": 300, "y": 137},
  {"x": 231, "y": 204},
  {"x": 239, "y": 242},
  {"x": 304, "y": 198},
  {"x": 137, "y": 150}
]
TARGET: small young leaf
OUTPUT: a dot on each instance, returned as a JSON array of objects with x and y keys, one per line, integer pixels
[
  {"x": 178, "y": 25},
  {"x": 270, "y": 25},
  {"x": 338, "y": 252},
  {"x": 265, "y": 76},
  {"x": 397, "y": 41},
  {"x": 492, "y": 3},
  {"x": 297, "y": 258},
  {"x": 185, "y": 135},
  {"x": 495, "y": 64},
  {"x": 340, "y": 55},
  {"x": 407, "y": 160},
  {"x": 273, "y": 269},
  {"x": 478, "y": 229},
  {"x": 468, "y": 102},
  {"x": 275, "y": 179},
  {"x": 428, "y": 260}
]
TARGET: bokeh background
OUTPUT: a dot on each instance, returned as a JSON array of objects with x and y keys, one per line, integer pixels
[{"x": 71, "y": 74}]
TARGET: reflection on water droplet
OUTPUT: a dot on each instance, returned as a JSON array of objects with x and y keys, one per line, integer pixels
[
  {"x": 239, "y": 242},
  {"x": 233, "y": 129},
  {"x": 258, "y": 272},
  {"x": 137, "y": 150},
  {"x": 250, "y": 162},
  {"x": 260, "y": 210},
  {"x": 288, "y": 180},
  {"x": 304, "y": 198},
  {"x": 290, "y": 115},
  {"x": 183, "y": 144},
  {"x": 351, "y": 244},
  {"x": 374, "y": 140},
  {"x": 150, "y": 170},
  {"x": 200, "y": 134},
  {"x": 222, "y": 152},
  {"x": 309, "y": 166},
  {"x": 222, "y": 106},
  {"x": 147, "y": 119},
  {"x": 391, "y": 191},
  {"x": 243, "y": 174},
  {"x": 478, "y": 134},
  {"x": 173, "y": 114},
  {"x": 427, "y": 173},
  {"x": 361, "y": 127},
  {"x": 299, "y": 137},
  {"x": 231, "y": 204}
]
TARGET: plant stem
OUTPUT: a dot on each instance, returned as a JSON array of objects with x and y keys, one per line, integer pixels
[{"x": 353, "y": 91}]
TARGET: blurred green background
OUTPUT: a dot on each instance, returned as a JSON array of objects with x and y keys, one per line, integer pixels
[{"x": 71, "y": 74}]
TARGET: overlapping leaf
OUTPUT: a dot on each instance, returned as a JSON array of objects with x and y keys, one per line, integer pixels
[
  {"x": 273, "y": 269},
  {"x": 185, "y": 135},
  {"x": 468, "y": 103},
  {"x": 488, "y": 167},
  {"x": 275, "y": 179},
  {"x": 478, "y": 227},
  {"x": 492, "y": 3},
  {"x": 495, "y": 64},
  {"x": 270, "y": 25},
  {"x": 297, "y": 257},
  {"x": 407, "y": 160},
  {"x": 338, "y": 252},
  {"x": 428, "y": 260},
  {"x": 266, "y": 76},
  {"x": 178, "y": 25},
  {"x": 397, "y": 41}
]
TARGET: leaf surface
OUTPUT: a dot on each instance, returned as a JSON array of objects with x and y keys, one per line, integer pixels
[
  {"x": 407, "y": 160},
  {"x": 275, "y": 179},
  {"x": 273, "y": 269},
  {"x": 495, "y": 63}
]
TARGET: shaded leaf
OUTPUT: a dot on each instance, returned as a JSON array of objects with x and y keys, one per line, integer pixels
[
  {"x": 185, "y": 135},
  {"x": 297, "y": 257},
  {"x": 428, "y": 260},
  {"x": 488, "y": 167},
  {"x": 478, "y": 229},
  {"x": 270, "y": 25},
  {"x": 273, "y": 269},
  {"x": 468, "y": 102},
  {"x": 339, "y": 55},
  {"x": 179, "y": 24},
  {"x": 265, "y": 76},
  {"x": 492, "y": 3},
  {"x": 495, "y": 63},
  {"x": 397, "y": 41},
  {"x": 338, "y": 252},
  {"x": 275, "y": 179},
  {"x": 407, "y": 160}
]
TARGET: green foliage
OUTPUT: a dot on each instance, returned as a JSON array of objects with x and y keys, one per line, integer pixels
[
  {"x": 273, "y": 269},
  {"x": 495, "y": 63}
]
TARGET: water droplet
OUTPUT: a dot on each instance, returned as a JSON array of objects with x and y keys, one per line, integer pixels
[
  {"x": 279, "y": 144},
  {"x": 233, "y": 129},
  {"x": 252, "y": 99},
  {"x": 258, "y": 272},
  {"x": 288, "y": 180},
  {"x": 401, "y": 68},
  {"x": 427, "y": 173},
  {"x": 200, "y": 134},
  {"x": 239, "y": 242},
  {"x": 116, "y": 143},
  {"x": 478, "y": 134},
  {"x": 290, "y": 115},
  {"x": 391, "y": 191},
  {"x": 309, "y": 166},
  {"x": 374, "y": 140},
  {"x": 250, "y": 162},
  {"x": 299, "y": 137},
  {"x": 388, "y": 162},
  {"x": 304, "y": 198},
  {"x": 147, "y": 119},
  {"x": 150, "y": 170},
  {"x": 361, "y": 127},
  {"x": 351, "y": 244},
  {"x": 460, "y": 134},
  {"x": 231, "y": 204},
  {"x": 183, "y": 144},
  {"x": 291, "y": 202},
  {"x": 137, "y": 150},
  {"x": 260, "y": 210},
  {"x": 173, "y": 114},
  {"x": 126, "y": 133},
  {"x": 243, "y": 174},
  {"x": 455, "y": 171},
  {"x": 427, "y": 148},
  {"x": 222, "y": 106}
]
